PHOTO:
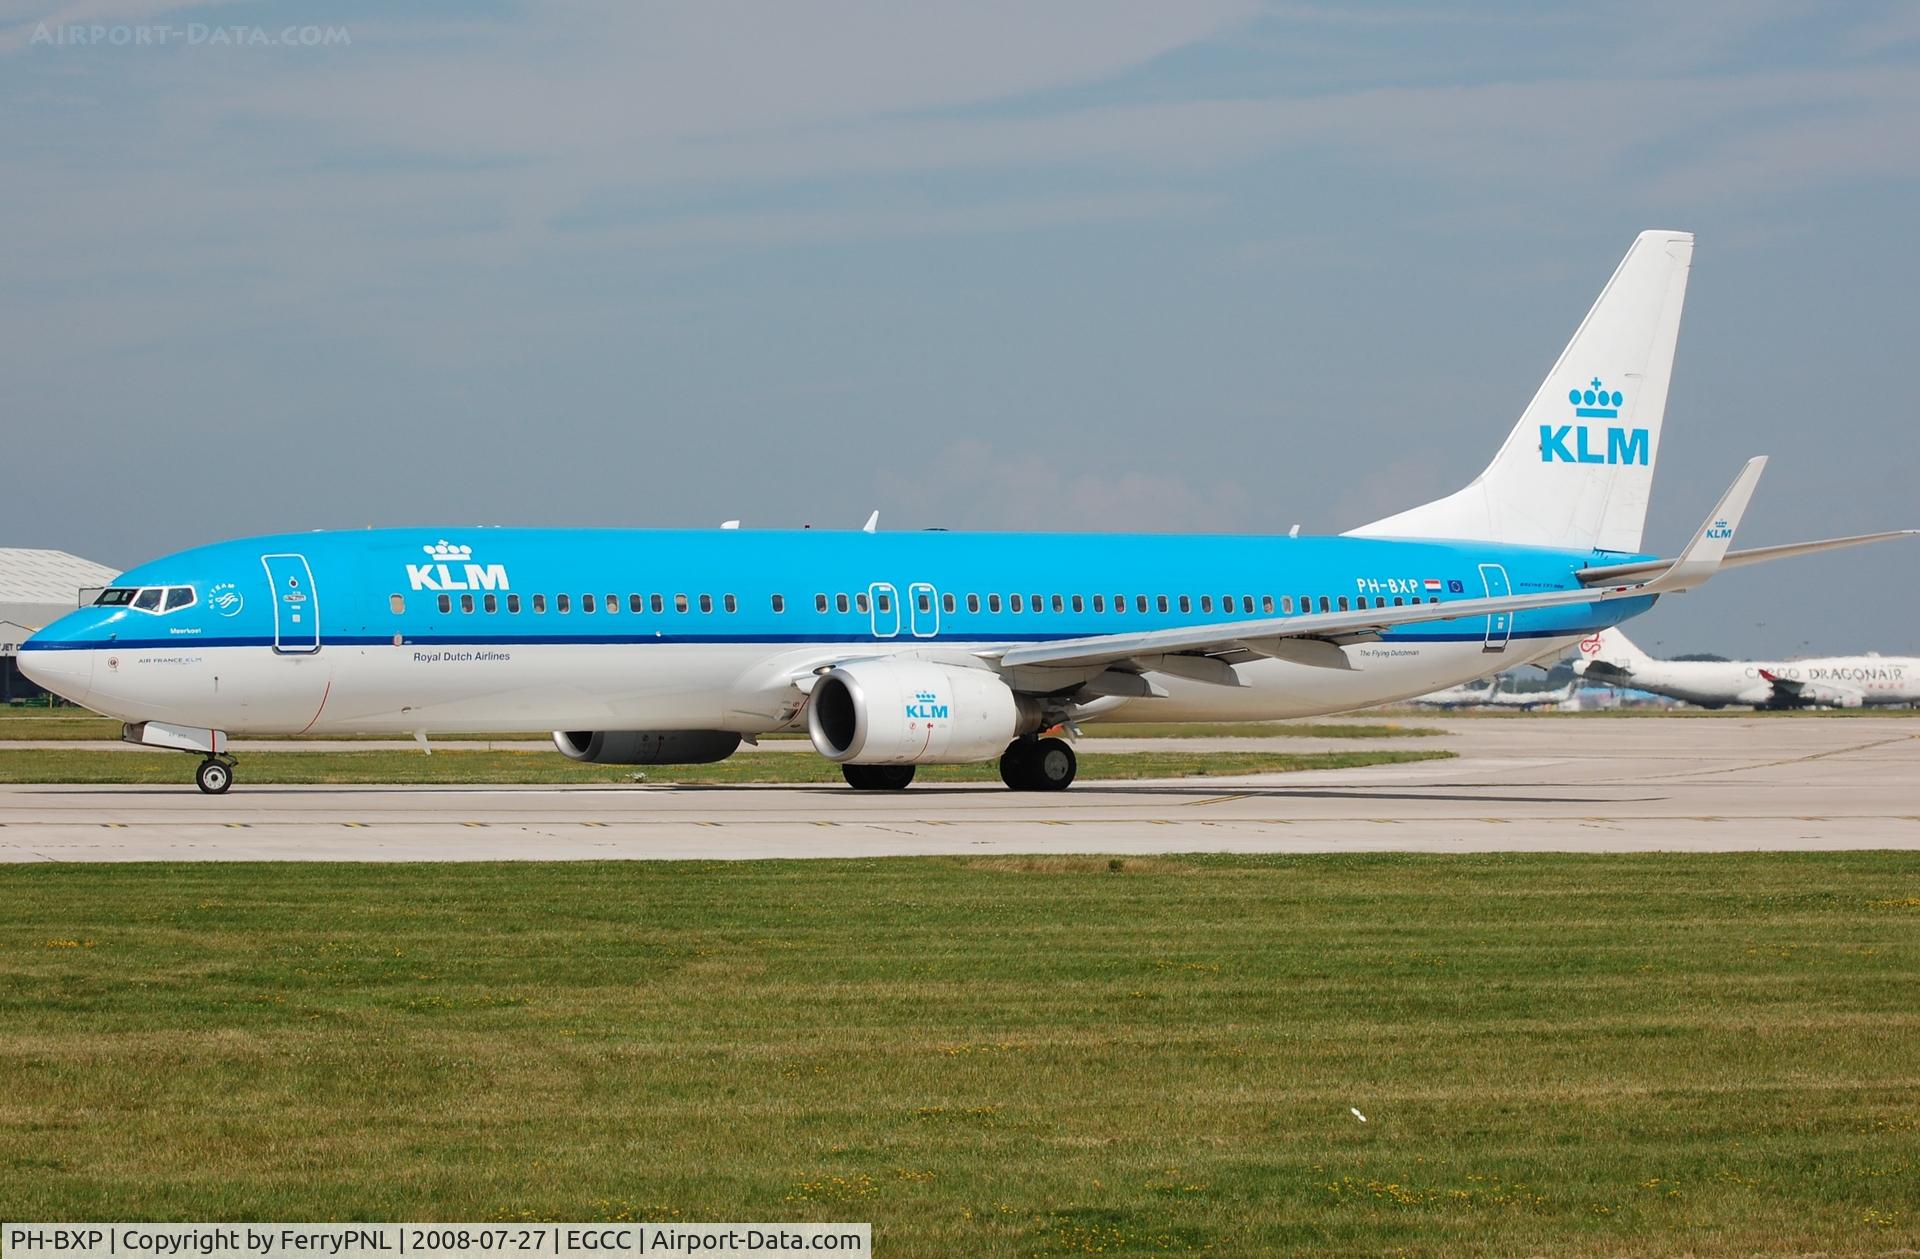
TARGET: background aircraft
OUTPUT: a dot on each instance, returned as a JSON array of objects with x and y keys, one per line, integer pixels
[{"x": 1825, "y": 682}]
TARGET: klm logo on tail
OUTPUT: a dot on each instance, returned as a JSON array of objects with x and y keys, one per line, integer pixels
[{"x": 1579, "y": 443}]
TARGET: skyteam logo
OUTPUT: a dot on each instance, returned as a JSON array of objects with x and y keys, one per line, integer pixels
[
  {"x": 1595, "y": 402},
  {"x": 450, "y": 567},
  {"x": 926, "y": 705},
  {"x": 226, "y": 599}
]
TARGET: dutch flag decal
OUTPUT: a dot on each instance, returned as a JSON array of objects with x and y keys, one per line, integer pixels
[{"x": 1431, "y": 583}]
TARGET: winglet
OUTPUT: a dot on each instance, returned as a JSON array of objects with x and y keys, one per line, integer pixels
[
  {"x": 873, "y": 522},
  {"x": 1702, "y": 557}
]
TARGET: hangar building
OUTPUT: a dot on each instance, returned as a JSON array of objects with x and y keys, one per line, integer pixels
[{"x": 37, "y": 588}]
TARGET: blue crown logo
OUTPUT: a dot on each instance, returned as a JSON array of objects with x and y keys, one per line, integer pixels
[
  {"x": 1595, "y": 403},
  {"x": 926, "y": 697}
]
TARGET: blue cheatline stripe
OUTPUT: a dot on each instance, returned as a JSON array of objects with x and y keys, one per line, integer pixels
[{"x": 636, "y": 640}]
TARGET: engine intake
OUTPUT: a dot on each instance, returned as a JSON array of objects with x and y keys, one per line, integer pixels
[
  {"x": 646, "y": 747},
  {"x": 882, "y": 712}
]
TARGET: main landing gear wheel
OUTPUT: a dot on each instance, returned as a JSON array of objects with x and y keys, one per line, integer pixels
[
  {"x": 214, "y": 777},
  {"x": 1039, "y": 765},
  {"x": 877, "y": 777}
]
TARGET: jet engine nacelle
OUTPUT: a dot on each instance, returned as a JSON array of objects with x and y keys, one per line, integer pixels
[
  {"x": 907, "y": 712},
  {"x": 646, "y": 747},
  {"x": 1832, "y": 696}
]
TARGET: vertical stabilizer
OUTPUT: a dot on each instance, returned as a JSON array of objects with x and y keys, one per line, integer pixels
[
  {"x": 1614, "y": 650},
  {"x": 1577, "y": 470}
]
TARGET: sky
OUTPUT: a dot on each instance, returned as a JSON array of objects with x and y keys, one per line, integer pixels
[{"x": 1208, "y": 266}]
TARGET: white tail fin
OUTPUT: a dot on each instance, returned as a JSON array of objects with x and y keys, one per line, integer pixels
[
  {"x": 1612, "y": 648},
  {"x": 1577, "y": 470}
]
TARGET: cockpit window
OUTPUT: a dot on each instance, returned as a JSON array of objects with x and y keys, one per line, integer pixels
[{"x": 154, "y": 599}]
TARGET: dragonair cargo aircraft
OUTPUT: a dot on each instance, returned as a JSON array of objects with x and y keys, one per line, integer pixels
[
  {"x": 1827, "y": 682},
  {"x": 896, "y": 650}
]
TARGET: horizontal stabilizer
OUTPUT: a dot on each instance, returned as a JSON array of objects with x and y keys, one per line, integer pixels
[{"x": 1609, "y": 573}]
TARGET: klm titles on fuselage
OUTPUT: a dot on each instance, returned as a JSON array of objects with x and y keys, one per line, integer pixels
[
  {"x": 451, "y": 569},
  {"x": 1577, "y": 443}
]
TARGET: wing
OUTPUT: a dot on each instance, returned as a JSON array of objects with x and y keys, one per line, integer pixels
[{"x": 1203, "y": 652}]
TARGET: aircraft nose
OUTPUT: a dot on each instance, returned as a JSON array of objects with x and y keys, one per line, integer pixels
[{"x": 67, "y": 673}]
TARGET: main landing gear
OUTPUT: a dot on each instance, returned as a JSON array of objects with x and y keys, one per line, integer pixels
[
  {"x": 1038, "y": 765},
  {"x": 214, "y": 776},
  {"x": 877, "y": 777}
]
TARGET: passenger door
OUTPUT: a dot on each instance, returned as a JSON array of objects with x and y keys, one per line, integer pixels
[
  {"x": 1499, "y": 624},
  {"x": 886, "y": 609},
  {"x": 296, "y": 605},
  {"x": 925, "y": 610}
]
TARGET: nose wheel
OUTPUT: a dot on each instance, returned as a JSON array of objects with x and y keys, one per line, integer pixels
[
  {"x": 214, "y": 777},
  {"x": 1039, "y": 765}
]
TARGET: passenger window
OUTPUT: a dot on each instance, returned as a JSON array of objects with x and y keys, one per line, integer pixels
[
  {"x": 492, "y": 604},
  {"x": 1035, "y": 604},
  {"x": 886, "y": 601},
  {"x": 1206, "y": 603},
  {"x": 779, "y": 603},
  {"x": 1286, "y": 604},
  {"x": 1139, "y": 603},
  {"x": 148, "y": 600},
  {"x": 1398, "y": 602},
  {"x": 513, "y": 604},
  {"x": 946, "y": 603},
  {"x": 993, "y": 603},
  {"x": 839, "y": 603},
  {"x": 466, "y": 603},
  {"x": 612, "y": 605},
  {"x": 1343, "y": 603},
  {"x": 706, "y": 603},
  {"x": 819, "y": 603},
  {"x": 1059, "y": 604},
  {"x": 1266, "y": 604},
  {"x": 926, "y": 604},
  {"x": 1246, "y": 604},
  {"x": 1326, "y": 605},
  {"x": 1014, "y": 603},
  {"x": 1186, "y": 603},
  {"x": 973, "y": 603},
  {"x": 1099, "y": 603},
  {"x": 1160, "y": 602},
  {"x": 658, "y": 603},
  {"x": 586, "y": 603},
  {"x": 679, "y": 603},
  {"x": 1434, "y": 599},
  {"x": 860, "y": 602},
  {"x": 540, "y": 604},
  {"x": 1079, "y": 604},
  {"x": 446, "y": 603},
  {"x": 636, "y": 605},
  {"x": 561, "y": 605},
  {"x": 731, "y": 604}
]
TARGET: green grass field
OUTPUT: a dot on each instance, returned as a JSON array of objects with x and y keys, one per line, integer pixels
[
  {"x": 90, "y": 765},
  {"x": 1554, "y": 1054}
]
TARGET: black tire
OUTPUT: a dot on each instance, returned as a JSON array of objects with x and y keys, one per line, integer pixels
[
  {"x": 1051, "y": 766},
  {"x": 877, "y": 777},
  {"x": 213, "y": 777},
  {"x": 1016, "y": 765}
]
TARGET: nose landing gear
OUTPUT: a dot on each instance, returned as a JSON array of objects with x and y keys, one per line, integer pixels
[{"x": 214, "y": 776}]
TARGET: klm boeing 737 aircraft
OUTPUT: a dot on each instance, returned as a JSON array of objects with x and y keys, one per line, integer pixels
[{"x": 897, "y": 650}]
